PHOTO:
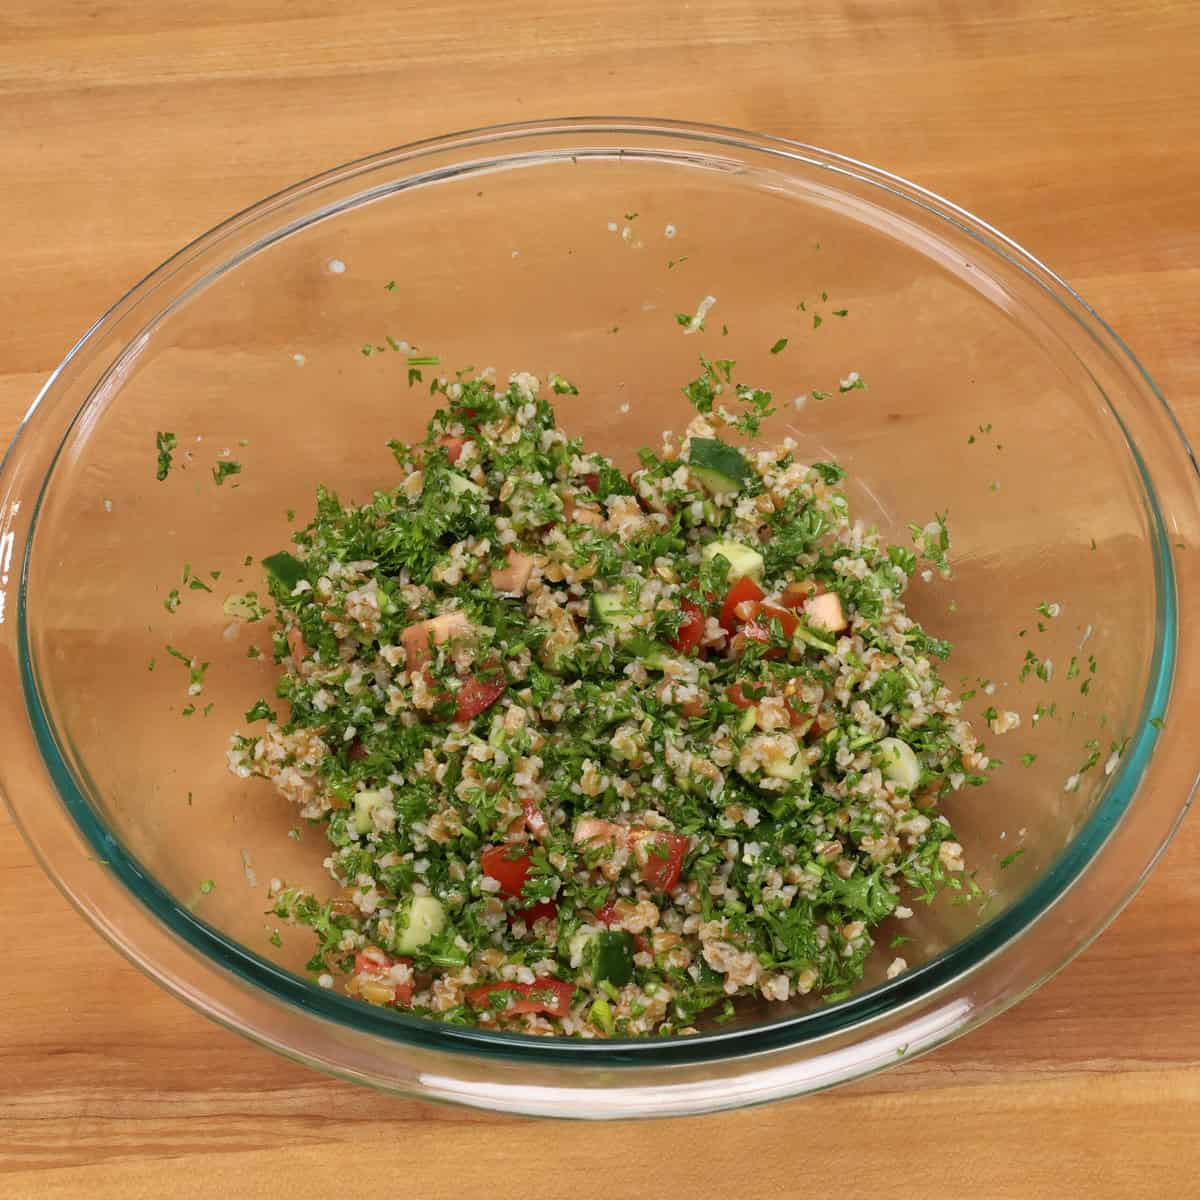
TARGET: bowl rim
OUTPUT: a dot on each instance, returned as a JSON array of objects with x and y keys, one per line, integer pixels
[{"x": 947, "y": 968}]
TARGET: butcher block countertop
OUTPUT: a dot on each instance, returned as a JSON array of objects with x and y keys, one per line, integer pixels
[{"x": 129, "y": 126}]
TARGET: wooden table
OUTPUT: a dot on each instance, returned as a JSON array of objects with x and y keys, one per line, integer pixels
[{"x": 129, "y": 127}]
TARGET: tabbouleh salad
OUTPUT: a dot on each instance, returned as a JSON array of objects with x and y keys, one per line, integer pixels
[{"x": 597, "y": 754}]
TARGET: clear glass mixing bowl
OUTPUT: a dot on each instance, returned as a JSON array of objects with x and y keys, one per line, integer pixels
[{"x": 994, "y": 393}]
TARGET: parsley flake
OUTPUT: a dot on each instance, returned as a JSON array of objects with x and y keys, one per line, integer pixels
[
  {"x": 165, "y": 443},
  {"x": 224, "y": 468}
]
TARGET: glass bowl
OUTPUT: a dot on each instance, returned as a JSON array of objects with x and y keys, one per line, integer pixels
[{"x": 994, "y": 394}]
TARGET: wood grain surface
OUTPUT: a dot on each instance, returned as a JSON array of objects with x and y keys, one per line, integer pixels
[{"x": 127, "y": 128}]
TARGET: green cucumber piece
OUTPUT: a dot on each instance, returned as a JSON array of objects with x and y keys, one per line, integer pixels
[
  {"x": 657, "y": 658},
  {"x": 805, "y": 637},
  {"x": 793, "y": 770},
  {"x": 612, "y": 959},
  {"x": 460, "y": 485},
  {"x": 743, "y": 560},
  {"x": 719, "y": 467},
  {"x": 365, "y": 804},
  {"x": 426, "y": 918},
  {"x": 899, "y": 763},
  {"x": 611, "y": 609}
]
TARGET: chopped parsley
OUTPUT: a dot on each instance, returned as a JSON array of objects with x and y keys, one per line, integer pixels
[
  {"x": 165, "y": 444},
  {"x": 521, "y": 642},
  {"x": 224, "y": 468}
]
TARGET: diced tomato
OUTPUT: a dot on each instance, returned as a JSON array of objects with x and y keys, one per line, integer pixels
[
  {"x": 738, "y": 697},
  {"x": 744, "y": 589},
  {"x": 693, "y": 708},
  {"x": 795, "y": 594},
  {"x": 371, "y": 962},
  {"x": 659, "y": 853},
  {"x": 535, "y": 822},
  {"x": 507, "y": 866},
  {"x": 510, "y": 579},
  {"x": 592, "y": 480},
  {"x": 476, "y": 695},
  {"x": 691, "y": 628},
  {"x": 825, "y": 613},
  {"x": 376, "y": 964},
  {"x": 454, "y": 446},
  {"x": 435, "y": 688},
  {"x": 796, "y": 710},
  {"x": 758, "y": 628},
  {"x": 439, "y": 630},
  {"x": 766, "y": 613},
  {"x": 608, "y": 914},
  {"x": 660, "y": 856},
  {"x": 535, "y": 912},
  {"x": 550, "y": 996}
]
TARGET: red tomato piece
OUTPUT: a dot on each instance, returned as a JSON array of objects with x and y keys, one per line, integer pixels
[
  {"x": 608, "y": 914},
  {"x": 758, "y": 628},
  {"x": 593, "y": 482},
  {"x": 766, "y": 613},
  {"x": 738, "y": 697},
  {"x": 373, "y": 962},
  {"x": 376, "y": 964},
  {"x": 454, "y": 446},
  {"x": 744, "y": 589},
  {"x": 693, "y": 708},
  {"x": 535, "y": 912},
  {"x": 476, "y": 695},
  {"x": 691, "y": 629},
  {"x": 507, "y": 866},
  {"x": 660, "y": 856},
  {"x": 550, "y": 996}
]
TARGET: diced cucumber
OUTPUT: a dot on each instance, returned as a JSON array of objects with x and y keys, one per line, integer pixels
[
  {"x": 794, "y": 769},
  {"x": 748, "y": 718},
  {"x": 719, "y": 467},
  {"x": 601, "y": 1015},
  {"x": 365, "y": 804},
  {"x": 424, "y": 919},
  {"x": 743, "y": 560},
  {"x": 460, "y": 485},
  {"x": 577, "y": 947},
  {"x": 613, "y": 957},
  {"x": 657, "y": 659},
  {"x": 899, "y": 763},
  {"x": 805, "y": 637},
  {"x": 613, "y": 611}
]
